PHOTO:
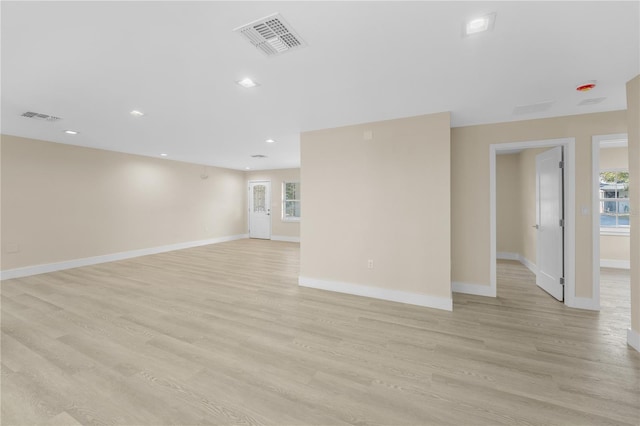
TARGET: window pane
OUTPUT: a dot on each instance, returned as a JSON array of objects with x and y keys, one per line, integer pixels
[
  {"x": 614, "y": 194},
  {"x": 608, "y": 220},
  {"x": 292, "y": 209},
  {"x": 623, "y": 220},
  {"x": 259, "y": 192},
  {"x": 292, "y": 191}
]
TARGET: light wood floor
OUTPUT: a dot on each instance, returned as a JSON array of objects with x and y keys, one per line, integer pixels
[{"x": 223, "y": 335}]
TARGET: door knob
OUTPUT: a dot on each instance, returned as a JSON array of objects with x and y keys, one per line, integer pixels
[{"x": 536, "y": 226}]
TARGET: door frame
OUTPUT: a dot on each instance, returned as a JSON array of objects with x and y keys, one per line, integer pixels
[
  {"x": 597, "y": 142},
  {"x": 569, "y": 145},
  {"x": 249, "y": 206}
]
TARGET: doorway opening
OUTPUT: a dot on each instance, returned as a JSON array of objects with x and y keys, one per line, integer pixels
[
  {"x": 611, "y": 257},
  {"x": 566, "y": 252}
]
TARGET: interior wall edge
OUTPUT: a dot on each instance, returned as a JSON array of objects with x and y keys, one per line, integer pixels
[{"x": 633, "y": 339}]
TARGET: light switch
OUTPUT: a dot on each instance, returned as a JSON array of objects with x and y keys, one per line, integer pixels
[{"x": 584, "y": 211}]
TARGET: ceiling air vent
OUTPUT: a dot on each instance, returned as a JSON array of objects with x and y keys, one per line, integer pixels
[
  {"x": 533, "y": 108},
  {"x": 272, "y": 35},
  {"x": 42, "y": 117},
  {"x": 591, "y": 101},
  {"x": 258, "y": 156}
]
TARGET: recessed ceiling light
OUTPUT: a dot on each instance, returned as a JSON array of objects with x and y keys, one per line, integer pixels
[
  {"x": 269, "y": 141},
  {"x": 163, "y": 155},
  {"x": 71, "y": 132},
  {"x": 136, "y": 113},
  {"x": 247, "y": 168},
  {"x": 479, "y": 24},
  {"x": 247, "y": 82}
]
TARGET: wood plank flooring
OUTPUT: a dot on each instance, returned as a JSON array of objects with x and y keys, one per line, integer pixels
[{"x": 222, "y": 334}]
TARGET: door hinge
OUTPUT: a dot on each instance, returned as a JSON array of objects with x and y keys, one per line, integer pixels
[
  {"x": 561, "y": 222},
  {"x": 561, "y": 164},
  {"x": 561, "y": 280}
]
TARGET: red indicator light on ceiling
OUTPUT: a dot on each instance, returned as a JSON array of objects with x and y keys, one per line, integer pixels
[{"x": 585, "y": 87}]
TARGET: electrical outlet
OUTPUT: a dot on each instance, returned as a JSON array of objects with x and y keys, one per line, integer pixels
[{"x": 370, "y": 264}]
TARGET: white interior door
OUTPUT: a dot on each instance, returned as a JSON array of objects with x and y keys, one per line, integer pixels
[
  {"x": 260, "y": 210},
  {"x": 550, "y": 224}
]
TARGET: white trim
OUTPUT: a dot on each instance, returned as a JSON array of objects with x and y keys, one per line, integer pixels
[
  {"x": 633, "y": 339},
  {"x": 506, "y": 255},
  {"x": 94, "y": 260},
  {"x": 492, "y": 219},
  {"x": 615, "y": 232},
  {"x": 584, "y": 303},
  {"x": 285, "y": 238},
  {"x": 614, "y": 263},
  {"x": 595, "y": 218},
  {"x": 619, "y": 140},
  {"x": 569, "y": 145},
  {"x": 475, "y": 289},
  {"x": 520, "y": 258},
  {"x": 378, "y": 293},
  {"x": 529, "y": 264}
]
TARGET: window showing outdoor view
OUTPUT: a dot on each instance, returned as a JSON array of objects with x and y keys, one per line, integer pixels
[
  {"x": 614, "y": 199},
  {"x": 291, "y": 208}
]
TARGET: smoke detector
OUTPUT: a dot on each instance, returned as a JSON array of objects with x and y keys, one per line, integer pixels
[
  {"x": 39, "y": 116},
  {"x": 586, "y": 86},
  {"x": 271, "y": 35}
]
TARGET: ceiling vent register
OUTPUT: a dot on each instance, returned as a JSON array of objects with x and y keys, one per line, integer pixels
[
  {"x": 39, "y": 116},
  {"x": 271, "y": 35}
]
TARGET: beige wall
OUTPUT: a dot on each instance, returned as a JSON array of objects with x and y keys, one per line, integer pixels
[
  {"x": 508, "y": 208},
  {"x": 385, "y": 199},
  {"x": 279, "y": 228},
  {"x": 470, "y": 187},
  {"x": 63, "y": 202},
  {"x": 633, "y": 117},
  {"x": 614, "y": 247}
]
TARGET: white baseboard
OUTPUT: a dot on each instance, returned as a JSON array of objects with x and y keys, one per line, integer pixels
[
  {"x": 475, "y": 289},
  {"x": 284, "y": 238},
  {"x": 520, "y": 258},
  {"x": 613, "y": 263},
  {"x": 582, "y": 303},
  {"x": 87, "y": 261},
  {"x": 378, "y": 293},
  {"x": 505, "y": 255},
  {"x": 633, "y": 339},
  {"x": 529, "y": 264}
]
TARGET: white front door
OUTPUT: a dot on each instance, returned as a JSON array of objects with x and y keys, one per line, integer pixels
[
  {"x": 550, "y": 224},
  {"x": 260, "y": 210}
]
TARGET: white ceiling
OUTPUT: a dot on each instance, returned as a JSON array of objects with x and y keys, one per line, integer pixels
[{"x": 93, "y": 62}]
